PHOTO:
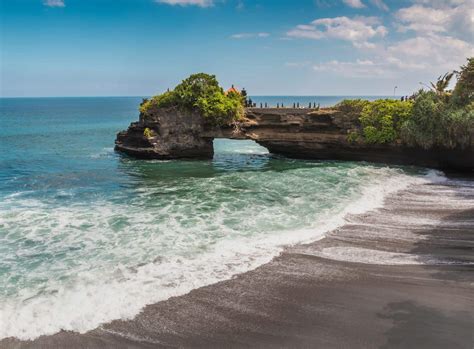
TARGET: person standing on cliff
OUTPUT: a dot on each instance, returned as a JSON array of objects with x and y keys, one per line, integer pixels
[{"x": 244, "y": 96}]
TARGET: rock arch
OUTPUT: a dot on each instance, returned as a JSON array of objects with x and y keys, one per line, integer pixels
[{"x": 293, "y": 132}]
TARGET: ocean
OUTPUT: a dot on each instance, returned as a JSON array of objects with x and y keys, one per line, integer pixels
[{"x": 88, "y": 235}]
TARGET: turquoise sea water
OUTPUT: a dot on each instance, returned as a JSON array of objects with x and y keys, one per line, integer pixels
[{"x": 88, "y": 235}]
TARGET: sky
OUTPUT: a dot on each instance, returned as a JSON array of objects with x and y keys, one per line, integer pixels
[{"x": 270, "y": 47}]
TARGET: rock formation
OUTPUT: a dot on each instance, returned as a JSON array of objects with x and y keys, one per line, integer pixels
[
  {"x": 296, "y": 133},
  {"x": 174, "y": 134}
]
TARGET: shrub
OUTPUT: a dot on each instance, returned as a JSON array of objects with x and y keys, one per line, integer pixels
[
  {"x": 352, "y": 108},
  {"x": 221, "y": 109},
  {"x": 436, "y": 118},
  {"x": 459, "y": 128},
  {"x": 424, "y": 127},
  {"x": 436, "y": 123},
  {"x": 353, "y": 137},
  {"x": 147, "y": 133},
  {"x": 201, "y": 93},
  {"x": 382, "y": 119},
  {"x": 196, "y": 87}
]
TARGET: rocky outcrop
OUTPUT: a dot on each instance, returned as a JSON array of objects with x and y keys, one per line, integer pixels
[
  {"x": 297, "y": 133},
  {"x": 171, "y": 134}
]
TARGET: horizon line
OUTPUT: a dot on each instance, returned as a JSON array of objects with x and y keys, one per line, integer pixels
[{"x": 145, "y": 96}]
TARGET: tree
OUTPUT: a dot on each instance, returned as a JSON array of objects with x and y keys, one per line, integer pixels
[
  {"x": 442, "y": 84},
  {"x": 464, "y": 90},
  {"x": 200, "y": 93},
  {"x": 196, "y": 86}
]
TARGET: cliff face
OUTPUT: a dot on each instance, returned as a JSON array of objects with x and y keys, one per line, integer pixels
[
  {"x": 296, "y": 133},
  {"x": 323, "y": 135},
  {"x": 173, "y": 134}
]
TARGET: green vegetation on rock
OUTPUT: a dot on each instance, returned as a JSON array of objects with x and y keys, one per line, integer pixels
[
  {"x": 463, "y": 93},
  {"x": 381, "y": 120},
  {"x": 147, "y": 133},
  {"x": 435, "y": 118},
  {"x": 352, "y": 108},
  {"x": 378, "y": 122},
  {"x": 438, "y": 123},
  {"x": 443, "y": 118},
  {"x": 201, "y": 93}
]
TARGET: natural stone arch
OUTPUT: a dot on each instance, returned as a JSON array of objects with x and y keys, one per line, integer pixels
[{"x": 298, "y": 133}]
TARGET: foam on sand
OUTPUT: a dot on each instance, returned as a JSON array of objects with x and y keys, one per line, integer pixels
[{"x": 370, "y": 256}]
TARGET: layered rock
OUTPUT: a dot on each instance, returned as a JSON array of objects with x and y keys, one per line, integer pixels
[
  {"x": 324, "y": 135},
  {"x": 297, "y": 133},
  {"x": 171, "y": 134}
]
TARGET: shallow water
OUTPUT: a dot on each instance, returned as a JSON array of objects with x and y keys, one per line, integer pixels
[{"x": 87, "y": 235}]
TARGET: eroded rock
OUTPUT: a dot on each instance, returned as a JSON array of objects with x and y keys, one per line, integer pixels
[
  {"x": 174, "y": 134},
  {"x": 297, "y": 133}
]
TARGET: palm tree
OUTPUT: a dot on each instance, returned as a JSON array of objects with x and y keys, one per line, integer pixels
[{"x": 442, "y": 83}]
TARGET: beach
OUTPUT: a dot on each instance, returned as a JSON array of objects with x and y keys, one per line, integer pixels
[
  {"x": 398, "y": 276},
  {"x": 237, "y": 174}
]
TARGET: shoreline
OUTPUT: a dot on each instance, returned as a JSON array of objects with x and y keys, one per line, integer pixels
[{"x": 330, "y": 293}]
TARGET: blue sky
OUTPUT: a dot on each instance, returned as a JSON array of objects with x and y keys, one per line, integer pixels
[{"x": 271, "y": 47}]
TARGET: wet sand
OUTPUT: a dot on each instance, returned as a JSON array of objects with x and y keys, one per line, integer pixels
[{"x": 398, "y": 277}]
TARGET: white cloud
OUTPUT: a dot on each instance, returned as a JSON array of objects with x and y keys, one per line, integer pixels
[
  {"x": 438, "y": 3},
  {"x": 380, "y": 4},
  {"x": 358, "y": 69},
  {"x": 54, "y": 3},
  {"x": 422, "y": 54},
  {"x": 365, "y": 45},
  {"x": 438, "y": 37},
  {"x": 297, "y": 64},
  {"x": 354, "y": 3},
  {"x": 427, "y": 52},
  {"x": 200, "y": 3},
  {"x": 358, "y": 30},
  {"x": 423, "y": 19},
  {"x": 452, "y": 17},
  {"x": 250, "y": 35}
]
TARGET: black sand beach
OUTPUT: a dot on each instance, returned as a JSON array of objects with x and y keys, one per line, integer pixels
[{"x": 398, "y": 277}]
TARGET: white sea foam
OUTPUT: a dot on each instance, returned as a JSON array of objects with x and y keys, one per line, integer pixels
[
  {"x": 371, "y": 256},
  {"x": 108, "y": 151},
  {"x": 117, "y": 286}
]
